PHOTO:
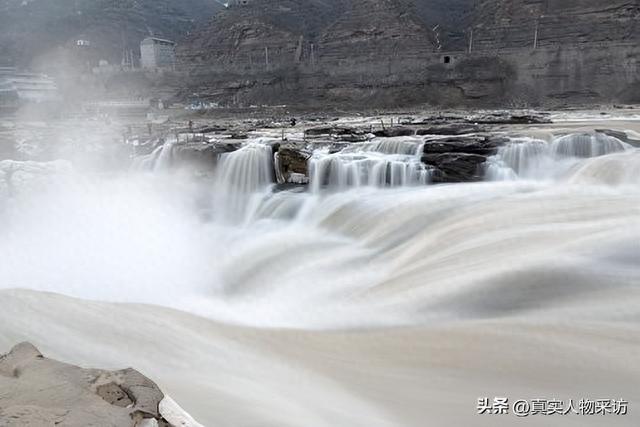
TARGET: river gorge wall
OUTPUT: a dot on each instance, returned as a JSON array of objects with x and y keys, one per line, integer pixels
[{"x": 383, "y": 53}]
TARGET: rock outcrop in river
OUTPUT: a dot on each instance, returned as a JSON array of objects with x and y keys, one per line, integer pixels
[{"x": 37, "y": 391}]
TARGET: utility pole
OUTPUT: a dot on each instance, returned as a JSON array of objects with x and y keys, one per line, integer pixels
[
  {"x": 313, "y": 55},
  {"x": 266, "y": 57},
  {"x": 535, "y": 36},
  {"x": 298, "y": 55},
  {"x": 471, "y": 40}
]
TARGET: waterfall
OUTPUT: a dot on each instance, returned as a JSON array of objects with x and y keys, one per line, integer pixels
[
  {"x": 390, "y": 162},
  {"x": 522, "y": 157},
  {"x": 527, "y": 158},
  {"x": 616, "y": 169},
  {"x": 587, "y": 145},
  {"x": 246, "y": 170},
  {"x": 334, "y": 308},
  {"x": 160, "y": 159},
  {"x": 280, "y": 179},
  {"x": 411, "y": 146},
  {"x": 242, "y": 177}
]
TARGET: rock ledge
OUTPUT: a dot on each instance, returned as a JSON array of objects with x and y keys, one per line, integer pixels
[{"x": 37, "y": 391}]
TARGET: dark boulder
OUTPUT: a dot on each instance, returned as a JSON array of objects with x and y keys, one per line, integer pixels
[
  {"x": 395, "y": 131},
  {"x": 482, "y": 145},
  {"x": 353, "y": 138},
  {"x": 455, "y": 167},
  {"x": 201, "y": 156},
  {"x": 459, "y": 159},
  {"x": 450, "y": 129},
  {"x": 238, "y": 135},
  {"x": 292, "y": 165}
]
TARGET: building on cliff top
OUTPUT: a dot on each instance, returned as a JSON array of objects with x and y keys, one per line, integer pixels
[{"x": 157, "y": 53}]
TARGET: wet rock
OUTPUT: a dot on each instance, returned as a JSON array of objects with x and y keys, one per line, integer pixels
[
  {"x": 289, "y": 187},
  {"x": 455, "y": 167},
  {"x": 38, "y": 391},
  {"x": 482, "y": 145},
  {"x": 202, "y": 156},
  {"x": 333, "y": 130},
  {"x": 622, "y": 136},
  {"x": 319, "y": 131},
  {"x": 450, "y": 129},
  {"x": 509, "y": 118},
  {"x": 353, "y": 138},
  {"x": 292, "y": 165},
  {"x": 395, "y": 131},
  {"x": 337, "y": 147},
  {"x": 459, "y": 159},
  {"x": 239, "y": 135}
]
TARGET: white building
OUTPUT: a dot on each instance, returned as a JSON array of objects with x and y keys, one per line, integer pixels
[{"x": 157, "y": 53}]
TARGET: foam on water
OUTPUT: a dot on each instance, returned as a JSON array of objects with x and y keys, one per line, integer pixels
[
  {"x": 255, "y": 307},
  {"x": 242, "y": 177},
  {"x": 388, "y": 162},
  {"x": 527, "y": 158},
  {"x": 246, "y": 170},
  {"x": 299, "y": 259},
  {"x": 159, "y": 159}
]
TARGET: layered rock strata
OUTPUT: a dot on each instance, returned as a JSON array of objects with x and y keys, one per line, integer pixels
[{"x": 397, "y": 52}]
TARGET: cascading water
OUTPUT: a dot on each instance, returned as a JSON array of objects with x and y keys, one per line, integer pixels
[
  {"x": 586, "y": 145},
  {"x": 526, "y": 158},
  {"x": 404, "y": 145},
  {"x": 246, "y": 170},
  {"x": 619, "y": 169},
  {"x": 243, "y": 176},
  {"x": 391, "y": 162},
  {"x": 305, "y": 309},
  {"x": 159, "y": 159}
]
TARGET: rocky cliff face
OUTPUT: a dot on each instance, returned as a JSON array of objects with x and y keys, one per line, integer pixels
[
  {"x": 359, "y": 52},
  {"x": 552, "y": 23},
  {"x": 285, "y": 51},
  {"x": 562, "y": 52},
  {"x": 399, "y": 52},
  {"x": 375, "y": 32},
  {"x": 265, "y": 35},
  {"x": 258, "y": 37}
]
